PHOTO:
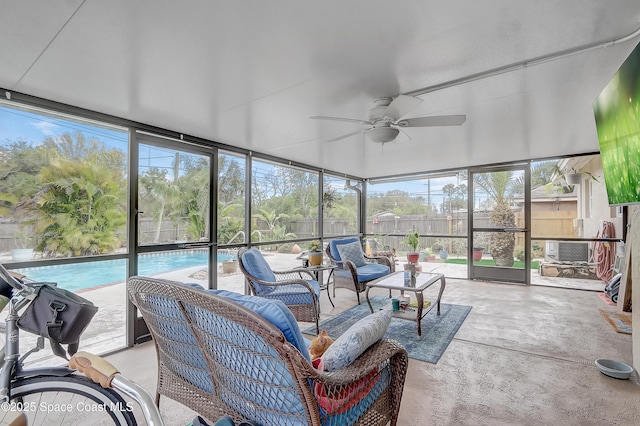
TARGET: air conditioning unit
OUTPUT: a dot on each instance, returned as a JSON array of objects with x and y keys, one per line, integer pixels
[{"x": 567, "y": 251}]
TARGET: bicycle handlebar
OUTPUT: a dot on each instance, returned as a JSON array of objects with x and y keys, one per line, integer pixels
[
  {"x": 101, "y": 371},
  {"x": 96, "y": 368},
  {"x": 9, "y": 283}
]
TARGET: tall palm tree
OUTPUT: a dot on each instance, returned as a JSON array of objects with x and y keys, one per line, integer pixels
[
  {"x": 501, "y": 187},
  {"x": 79, "y": 210}
]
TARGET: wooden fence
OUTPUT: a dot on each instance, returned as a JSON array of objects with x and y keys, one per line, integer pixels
[{"x": 543, "y": 224}]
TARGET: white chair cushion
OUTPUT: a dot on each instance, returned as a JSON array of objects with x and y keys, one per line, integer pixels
[{"x": 353, "y": 342}]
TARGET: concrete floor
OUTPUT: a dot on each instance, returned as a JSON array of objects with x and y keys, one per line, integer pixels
[{"x": 524, "y": 356}]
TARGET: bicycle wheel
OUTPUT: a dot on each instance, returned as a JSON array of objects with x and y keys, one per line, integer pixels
[{"x": 68, "y": 400}]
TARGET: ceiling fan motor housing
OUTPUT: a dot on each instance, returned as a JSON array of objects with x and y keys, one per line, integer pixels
[
  {"x": 376, "y": 112},
  {"x": 386, "y": 117}
]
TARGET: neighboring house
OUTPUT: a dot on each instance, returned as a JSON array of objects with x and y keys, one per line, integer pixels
[
  {"x": 584, "y": 204},
  {"x": 593, "y": 207}
]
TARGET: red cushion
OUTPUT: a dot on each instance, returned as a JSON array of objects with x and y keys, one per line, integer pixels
[{"x": 342, "y": 399}]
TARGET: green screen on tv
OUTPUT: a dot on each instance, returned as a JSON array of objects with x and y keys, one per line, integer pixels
[{"x": 617, "y": 114}]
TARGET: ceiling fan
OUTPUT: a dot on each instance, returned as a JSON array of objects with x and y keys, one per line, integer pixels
[{"x": 385, "y": 119}]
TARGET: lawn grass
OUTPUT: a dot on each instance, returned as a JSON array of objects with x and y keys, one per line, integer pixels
[{"x": 490, "y": 262}]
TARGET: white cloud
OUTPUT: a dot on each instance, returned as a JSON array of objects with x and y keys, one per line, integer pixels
[{"x": 46, "y": 127}]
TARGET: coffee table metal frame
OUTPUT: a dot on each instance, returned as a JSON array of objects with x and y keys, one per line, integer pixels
[{"x": 395, "y": 281}]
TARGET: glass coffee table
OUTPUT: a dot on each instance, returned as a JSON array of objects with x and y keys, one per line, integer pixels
[{"x": 395, "y": 281}]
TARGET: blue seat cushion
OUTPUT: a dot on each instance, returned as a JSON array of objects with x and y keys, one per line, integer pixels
[
  {"x": 255, "y": 264},
  {"x": 333, "y": 245},
  {"x": 273, "y": 311},
  {"x": 368, "y": 272}
]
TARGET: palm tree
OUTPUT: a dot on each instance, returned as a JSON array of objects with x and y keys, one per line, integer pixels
[
  {"x": 271, "y": 218},
  {"x": 195, "y": 201},
  {"x": 79, "y": 209},
  {"x": 501, "y": 187}
]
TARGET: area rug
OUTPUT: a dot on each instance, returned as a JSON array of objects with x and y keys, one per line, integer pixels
[
  {"x": 437, "y": 330},
  {"x": 620, "y": 321}
]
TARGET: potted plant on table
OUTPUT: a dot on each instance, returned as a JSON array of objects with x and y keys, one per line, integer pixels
[
  {"x": 315, "y": 253},
  {"x": 413, "y": 241}
]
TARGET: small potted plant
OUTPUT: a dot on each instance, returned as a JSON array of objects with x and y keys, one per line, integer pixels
[
  {"x": 413, "y": 241},
  {"x": 480, "y": 241},
  {"x": 574, "y": 176},
  {"x": 315, "y": 253},
  {"x": 229, "y": 266},
  {"x": 477, "y": 253}
]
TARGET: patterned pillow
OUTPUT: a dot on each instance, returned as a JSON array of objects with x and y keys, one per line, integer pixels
[
  {"x": 353, "y": 342},
  {"x": 353, "y": 252}
]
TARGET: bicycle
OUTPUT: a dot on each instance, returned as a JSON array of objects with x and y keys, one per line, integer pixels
[{"x": 59, "y": 395}]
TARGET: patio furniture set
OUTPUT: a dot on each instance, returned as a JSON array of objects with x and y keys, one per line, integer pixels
[{"x": 222, "y": 353}]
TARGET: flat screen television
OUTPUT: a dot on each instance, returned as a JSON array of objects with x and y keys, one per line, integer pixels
[{"x": 617, "y": 114}]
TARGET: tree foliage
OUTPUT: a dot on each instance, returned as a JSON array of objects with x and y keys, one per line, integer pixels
[
  {"x": 80, "y": 208},
  {"x": 502, "y": 243},
  {"x": 501, "y": 187},
  {"x": 20, "y": 164}
]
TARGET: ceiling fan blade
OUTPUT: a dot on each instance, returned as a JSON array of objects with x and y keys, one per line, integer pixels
[
  {"x": 337, "y": 138},
  {"x": 401, "y": 106},
  {"x": 349, "y": 120},
  {"x": 402, "y": 136},
  {"x": 436, "y": 120}
]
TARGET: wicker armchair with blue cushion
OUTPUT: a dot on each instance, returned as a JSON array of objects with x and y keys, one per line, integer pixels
[
  {"x": 354, "y": 269},
  {"x": 223, "y": 353},
  {"x": 295, "y": 288}
]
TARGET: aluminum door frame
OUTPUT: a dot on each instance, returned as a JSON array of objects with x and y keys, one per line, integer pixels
[{"x": 497, "y": 273}]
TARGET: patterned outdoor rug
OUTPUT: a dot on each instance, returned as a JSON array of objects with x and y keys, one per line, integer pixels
[
  {"x": 620, "y": 321},
  {"x": 437, "y": 331}
]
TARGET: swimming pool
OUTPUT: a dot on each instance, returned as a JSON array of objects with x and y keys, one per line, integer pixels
[{"x": 80, "y": 276}]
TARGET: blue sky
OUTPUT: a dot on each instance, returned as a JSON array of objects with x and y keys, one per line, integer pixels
[
  {"x": 34, "y": 127},
  {"x": 16, "y": 124}
]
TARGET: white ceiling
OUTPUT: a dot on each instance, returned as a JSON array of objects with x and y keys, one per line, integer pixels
[{"x": 251, "y": 73}]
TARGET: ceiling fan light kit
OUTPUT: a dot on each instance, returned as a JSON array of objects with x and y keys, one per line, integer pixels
[
  {"x": 385, "y": 118},
  {"x": 382, "y": 134}
]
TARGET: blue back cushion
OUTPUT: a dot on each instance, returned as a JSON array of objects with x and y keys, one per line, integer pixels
[
  {"x": 353, "y": 252},
  {"x": 333, "y": 245},
  {"x": 255, "y": 264},
  {"x": 273, "y": 311}
]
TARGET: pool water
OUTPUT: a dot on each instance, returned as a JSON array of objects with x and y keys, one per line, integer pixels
[{"x": 81, "y": 276}]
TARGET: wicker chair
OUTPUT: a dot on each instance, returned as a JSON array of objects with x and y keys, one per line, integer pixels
[
  {"x": 355, "y": 277},
  {"x": 219, "y": 356},
  {"x": 295, "y": 288}
]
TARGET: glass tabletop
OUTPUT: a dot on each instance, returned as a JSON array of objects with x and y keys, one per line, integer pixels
[
  {"x": 317, "y": 268},
  {"x": 396, "y": 281}
]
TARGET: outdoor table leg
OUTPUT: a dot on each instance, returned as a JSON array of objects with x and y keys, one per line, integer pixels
[
  {"x": 366, "y": 295},
  {"x": 326, "y": 285},
  {"x": 420, "y": 300},
  {"x": 442, "y": 286}
]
